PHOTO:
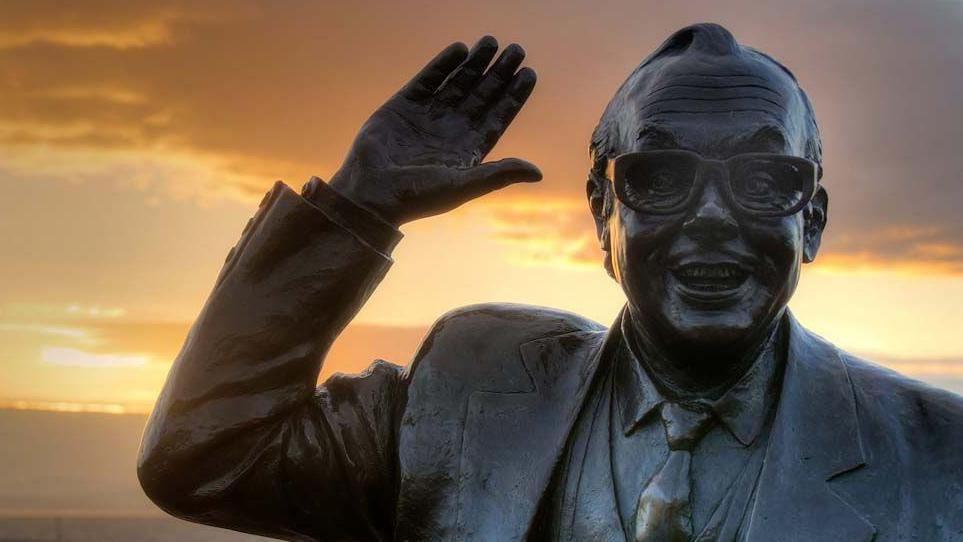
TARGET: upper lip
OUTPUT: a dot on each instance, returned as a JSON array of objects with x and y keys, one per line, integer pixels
[
  {"x": 742, "y": 263},
  {"x": 714, "y": 271}
]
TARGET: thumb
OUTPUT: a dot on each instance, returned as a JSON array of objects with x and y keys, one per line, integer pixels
[{"x": 491, "y": 176}]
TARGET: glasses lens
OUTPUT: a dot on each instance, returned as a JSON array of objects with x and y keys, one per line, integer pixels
[
  {"x": 658, "y": 182},
  {"x": 770, "y": 184}
]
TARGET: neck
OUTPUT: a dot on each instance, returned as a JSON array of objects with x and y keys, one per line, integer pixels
[{"x": 685, "y": 370}]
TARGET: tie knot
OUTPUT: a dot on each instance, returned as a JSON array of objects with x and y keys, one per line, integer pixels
[{"x": 686, "y": 423}]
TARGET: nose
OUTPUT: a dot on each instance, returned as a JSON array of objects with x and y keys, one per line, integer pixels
[{"x": 711, "y": 219}]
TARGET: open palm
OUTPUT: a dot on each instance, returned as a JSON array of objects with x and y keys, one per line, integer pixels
[{"x": 421, "y": 153}]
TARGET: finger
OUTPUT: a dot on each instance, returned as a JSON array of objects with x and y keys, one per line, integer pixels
[
  {"x": 498, "y": 117},
  {"x": 479, "y": 180},
  {"x": 464, "y": 79},
  {"x": 433, "y": 190},
  {"x": 494, "y": 81},
  {"x": 426, "y": 81}
]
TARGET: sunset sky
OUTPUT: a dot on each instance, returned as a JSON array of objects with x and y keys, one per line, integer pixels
[{"x": 137, "y": 137}]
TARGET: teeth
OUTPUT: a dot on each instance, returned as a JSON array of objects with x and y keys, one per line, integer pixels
[
  {"x": 711, "y": 271},
  {"x": 711, "y": 277}
]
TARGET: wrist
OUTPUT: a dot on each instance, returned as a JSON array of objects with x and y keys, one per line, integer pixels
[
  {"x": 364, "y": 224},
  {"x": 347, "y": 186}
]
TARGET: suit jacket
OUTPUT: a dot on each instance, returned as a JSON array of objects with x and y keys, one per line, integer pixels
[{"x": 462, "y": 444}]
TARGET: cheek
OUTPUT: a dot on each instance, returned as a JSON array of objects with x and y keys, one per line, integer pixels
[
  {"x": 779, "y": 245},
  {"x": 639, "y": 242}
]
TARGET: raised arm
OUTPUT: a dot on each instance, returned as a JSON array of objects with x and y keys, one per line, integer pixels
[{"x": 240, "y": 436}]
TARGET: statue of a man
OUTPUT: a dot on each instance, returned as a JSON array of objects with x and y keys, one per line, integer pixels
[{"x": 705, "y": 412}]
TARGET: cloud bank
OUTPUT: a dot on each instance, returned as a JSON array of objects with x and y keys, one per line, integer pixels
[{"x": 216, "y": 100}]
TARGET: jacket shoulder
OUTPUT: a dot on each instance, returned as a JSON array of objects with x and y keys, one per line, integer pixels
[
  {"x": 911, "y": 422},
  {"x": 520, "y": 320},
  {"x": 477, "y": 339},
  {"x": 912, "y": 432},
  {"x": 914, "y": 400}
]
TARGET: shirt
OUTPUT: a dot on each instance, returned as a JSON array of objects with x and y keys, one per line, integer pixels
[{"x": 618, "y": 444}]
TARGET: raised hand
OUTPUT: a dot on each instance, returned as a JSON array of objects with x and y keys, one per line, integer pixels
[{"x": 421, "y": 153}]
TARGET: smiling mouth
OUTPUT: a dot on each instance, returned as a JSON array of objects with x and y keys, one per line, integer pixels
[{"x": 711, "y": 277}]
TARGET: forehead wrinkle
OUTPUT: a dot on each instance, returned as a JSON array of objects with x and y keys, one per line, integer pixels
[
  {"x": 712, "y": 99},
  {"x": 730, "y": 112},
  {"x": 719, "y": 75},
  {"x": 714, "y": 87}
]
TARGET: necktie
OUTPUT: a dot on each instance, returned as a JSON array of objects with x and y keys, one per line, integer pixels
[{"x": 664, "y": 513}]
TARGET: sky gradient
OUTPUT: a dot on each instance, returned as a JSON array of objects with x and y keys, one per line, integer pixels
[{"x": 137, "y": 137}]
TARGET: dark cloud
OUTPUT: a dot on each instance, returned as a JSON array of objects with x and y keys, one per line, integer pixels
[{"x": 277, "y": 90}]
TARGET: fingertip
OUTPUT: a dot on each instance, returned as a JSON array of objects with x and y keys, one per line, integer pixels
[
  {"x": 457, "y": 48},
  {"x": 487, "y": 42},
  {"x": 523, "y": 170},
  {"x": 450, "y": 57},
  {"x": 533, "y": 175},
  {"x": 515, "y": 50},
  {"x": 536, "y": 174},
  {"x": 527, "y": 75}
]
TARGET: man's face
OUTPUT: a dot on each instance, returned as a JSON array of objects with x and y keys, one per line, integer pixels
[{"x": 710, "y": 275}]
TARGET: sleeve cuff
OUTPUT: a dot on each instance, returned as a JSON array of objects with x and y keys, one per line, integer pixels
[{"x": 365, "y": 225}]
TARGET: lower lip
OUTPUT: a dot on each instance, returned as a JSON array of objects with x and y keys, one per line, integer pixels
[{"x": 710, "y": 297}]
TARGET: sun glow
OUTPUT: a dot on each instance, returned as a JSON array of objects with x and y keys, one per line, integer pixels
[
  {"x": 65, "y": 406},
  {"x": 72, "y": 357}
]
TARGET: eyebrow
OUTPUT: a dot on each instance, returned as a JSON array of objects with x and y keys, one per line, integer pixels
[
  {"x": 770, "y": 135},
  {"x": 658, "y": 134}
]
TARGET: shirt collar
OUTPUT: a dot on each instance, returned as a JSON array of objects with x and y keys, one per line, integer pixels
[{"x": 742, "y": 409}]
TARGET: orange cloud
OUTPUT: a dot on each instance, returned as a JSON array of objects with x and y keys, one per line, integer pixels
[
  {"x": 912, "y": 249},
  {"x": 73, "y": 357},
  {"x": 112, "y": 95},
  {"x": 112, "y": 24},
  {"x": 144, "y": 34},
  {"x": 554, "y": 232},
  {"x": 77, "y": 355}
]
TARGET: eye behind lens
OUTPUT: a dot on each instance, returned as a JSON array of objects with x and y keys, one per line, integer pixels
[
  {"x": 658, "y": 183},
  {"x": 767, "y": 184},
  {"x": 662, "y": 181}
]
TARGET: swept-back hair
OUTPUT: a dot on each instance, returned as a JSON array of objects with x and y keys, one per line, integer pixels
[{"x": 706, "y": 39}]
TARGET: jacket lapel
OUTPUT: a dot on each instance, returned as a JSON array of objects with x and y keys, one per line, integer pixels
[
  {"x": 814, "y": 439},
  {"x": 513, "y": 438}
]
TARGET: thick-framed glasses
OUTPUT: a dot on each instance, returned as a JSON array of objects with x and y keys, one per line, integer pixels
[{"x": 759, "y": 184}]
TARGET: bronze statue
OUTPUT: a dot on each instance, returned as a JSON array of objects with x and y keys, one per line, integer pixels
[{"x": 705, "y": 412}]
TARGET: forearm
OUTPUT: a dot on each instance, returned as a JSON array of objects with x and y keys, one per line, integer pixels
[{"x": 300, "y": 272}]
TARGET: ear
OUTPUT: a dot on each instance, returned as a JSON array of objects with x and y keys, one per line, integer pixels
[
  {"x": 596, "y": 190},
  {"x": 815, "y": 217}
]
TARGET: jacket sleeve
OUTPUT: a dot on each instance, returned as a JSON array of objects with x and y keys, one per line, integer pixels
[{"x": 240, "y": 436}]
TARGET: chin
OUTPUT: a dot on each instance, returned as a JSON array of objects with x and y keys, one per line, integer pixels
[
  {"x": 705, "y": 327},
  {"x": 728, "y": 319},
  {"x": 711, "y": 330}
]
